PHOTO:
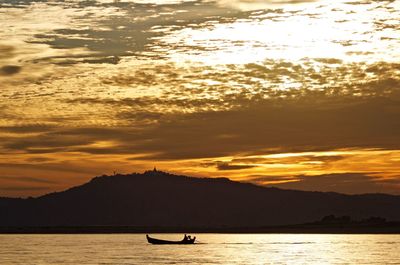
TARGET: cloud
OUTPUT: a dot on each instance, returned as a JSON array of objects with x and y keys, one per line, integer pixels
[
  {"x": 127, "y": 78},
  {"x": 27, "y": 128},
  {"x": 26, "y": 179},
  {"x": 260, "y": 4},
  {"x": 228, "y": 166},
  {"x": 10, "y": 70},
  {"x": 350, "y": 183},
  {"x": 285, "y": 125},
  {"x": 7, "y": 51},
  {"x": 66, "y": 166},
  {"x": 39, "y": 159},
  {"x": 266, "y": 159},
  {"x": 24, "y": 189},
  {"x": 122, "y": 29},
  {"x": 266, "y": 180}
]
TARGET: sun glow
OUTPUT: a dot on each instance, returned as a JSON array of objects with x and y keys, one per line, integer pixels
[
  {"x": 316, "y": 33},
  {"x": 241, "y": 89}
]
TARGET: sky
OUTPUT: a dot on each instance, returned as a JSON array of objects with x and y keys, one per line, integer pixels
[{"x": 286, "y": 93}]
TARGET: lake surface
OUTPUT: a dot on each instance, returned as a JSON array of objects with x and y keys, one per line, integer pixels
[{"x": 211, "y": 249}]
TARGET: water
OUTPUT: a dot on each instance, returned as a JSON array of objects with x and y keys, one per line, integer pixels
[{"x": 211, "y": 249}]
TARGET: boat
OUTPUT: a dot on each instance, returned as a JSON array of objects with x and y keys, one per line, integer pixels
[{"x": 156, "y": 241}]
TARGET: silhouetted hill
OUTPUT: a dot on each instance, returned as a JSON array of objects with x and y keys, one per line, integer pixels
[{"x": 159, "y": 199}]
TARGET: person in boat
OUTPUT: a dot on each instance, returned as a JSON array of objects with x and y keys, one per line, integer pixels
[{"x": 187, "y": 238}]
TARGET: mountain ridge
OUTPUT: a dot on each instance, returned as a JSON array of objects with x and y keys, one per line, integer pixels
[{"x": 160, "y": 199}]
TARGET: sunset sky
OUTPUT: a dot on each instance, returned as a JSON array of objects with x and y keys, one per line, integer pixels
[{"x": 287, "y": 93}]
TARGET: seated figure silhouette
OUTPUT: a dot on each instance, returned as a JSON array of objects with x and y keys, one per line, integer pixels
[{"x": 188, "y": 238}]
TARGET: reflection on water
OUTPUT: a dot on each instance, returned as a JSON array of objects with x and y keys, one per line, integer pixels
[{"x": 212, "y": 249}]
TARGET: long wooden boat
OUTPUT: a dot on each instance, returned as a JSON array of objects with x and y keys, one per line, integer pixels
[{"x": 156, "y": 241}]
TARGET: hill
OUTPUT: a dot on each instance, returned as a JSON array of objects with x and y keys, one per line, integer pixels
[{"x": 159, "y": 199}]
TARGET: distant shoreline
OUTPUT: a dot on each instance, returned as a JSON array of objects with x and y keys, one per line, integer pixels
[{"x": 388, "y": 228}]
